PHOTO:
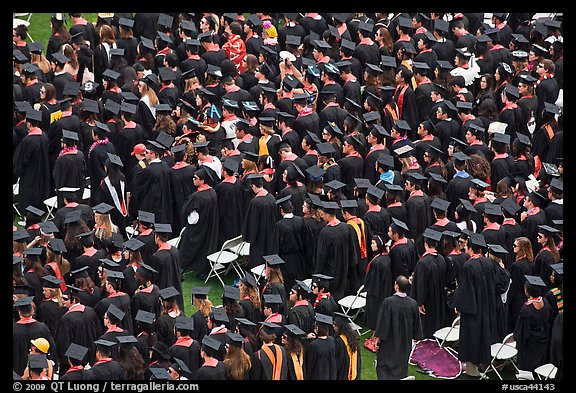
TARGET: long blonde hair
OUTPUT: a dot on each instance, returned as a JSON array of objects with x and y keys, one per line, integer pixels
[
  {"x": 202, "y": 305},
  {"x": 237, "y": 362},
  {"x": 104, "y": 227},
  {"x": 252, "y": 293}
]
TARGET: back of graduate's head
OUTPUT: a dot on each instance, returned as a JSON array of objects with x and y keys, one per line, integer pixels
[
  {"x": 403, "y": 284},
  {"x": 266, "y": 335}
]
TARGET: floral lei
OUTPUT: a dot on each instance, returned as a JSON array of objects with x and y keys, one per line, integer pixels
[{"x": 97, "y": 143}]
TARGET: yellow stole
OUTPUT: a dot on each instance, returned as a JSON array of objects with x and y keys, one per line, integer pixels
[{"x": 353, "y": 359}]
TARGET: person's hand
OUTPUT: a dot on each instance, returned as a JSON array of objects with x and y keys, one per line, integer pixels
[
  {"x": 422, "y": 309},
  {"x": 311, "y": 336},
  {"x": 523, "y": 216}
]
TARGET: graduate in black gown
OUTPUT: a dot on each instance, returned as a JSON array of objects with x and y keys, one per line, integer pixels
[
  {"x": 258, "y": 226},
  {"x": 335, "y": 252},
  {"x": 324, "y": 302},
  {"x": 25, "y": 329},
  {"x": 50, "y": 311},
  {"x": 117, "y": 298},
  {"x": 106, "y": 368},
  {"x": 398, "y": 324},
  {"x": 167, "y": 262},
  {"x": 320, "y": 358},
  {"x": 146, "y": 297},
  {"x": 534, "y": 325},
  {"x": 182, "y": 181},
  {"x": 80, "y": 325},
  {"x": 76, "y": 360},
  {"x": 230, "y": 202},
  {"x": 186, "y": 348},
  {"x": 346, "y": 349},
  {"x": 211, "y": 369},
  {"x": 418, "y": 211},
  {"x": 113, "y": 328},
  {"x": 170, "y": 312},
  {"x": 292, "y": 239},
  {"x": 403, "y": 254},
  {"x": 301, "y": 312},
  {"x": 378, "y": 283},
  {"x": 428, "y": 285},
  {"x": 200, "y": 238}
]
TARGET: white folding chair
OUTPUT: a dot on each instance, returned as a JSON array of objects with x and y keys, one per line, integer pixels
[
  {"x": 503, "y": 353},
  {"x": 546, "y": 371},
  {"x": 22, "y": 19},
  {"x": 449, "y": 334},
  {"x": 221, "y": 261},
  {"x": 243, "y": 251},
  {"x": 176, "y": 240},
  {"x": 259, "y": 271},
  {"x": 353, "y": 305},
  {"x": 86, "y": 194},
  {"x": 131, "y": 232},
  {"x": 51, "y": 204},
  {"x": 15, "y": 192}
]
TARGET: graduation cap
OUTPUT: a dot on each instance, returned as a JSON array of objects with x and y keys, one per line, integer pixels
[
  {"x": 477, "y": 239},
  {"x": 293, "y": 40},
  {"x": 71, "y": 89},
  {"x": 551, "y": 108},
  {"x": 49, "y": 281},
  {"x": 335, "y": 184},
  {"x": 166, "y": 74},
  {"x": 253, "y": 20},
  {"x": 37, "y": 361},
  {"x": 35, "y": 47},
  {"x": 432, "y": 234},
  {"x": 324, "y": 319},
  {"x": 220, "y": 315},
  {"x": 168, "y": 293},
  {"x": 556, "y": 186},
  {"x": 404, "y": 151},
  {"x": 547, "y": 230},
  {"x": 77, "y": 352},
  {"x": 155, "y": 146},
  {"x": 20, "y": 235},
  {"x": 321, "y": 279},
  {"x": 269, "y": 327},
  {"x": 116, "y": 51},
  {"x": 371, "y": 116},
  {"x": 367, "y": 28},
  {"x": 492, "y": 209},
  {"x": 467, "y": 205},
  {"x": 329, "y": 207},
  {"x": 57, "y": 245},
  {"x": 249, "y": 280},
  {"x": 80, "y": 272},
  {"x": 558, "y": 268},
  {"x": 114, "y": 159},
  {"x": 116, "y": 313},
  {"x": 179, "y": 366},
  {"x": 421, "y": 66},
  {"x": 348, "y": 45},
  {"x": 110, "y": 75},
  {"x": 460, "y": 156},
  {"x": 34, "y": 115},
  {"x": 479, "y": 184},
  {"x": 509, "y": 205},
  {"x": 294, "y": 330},
  {"x": 501, "y": 138},
  {"x": 168, "y": 39},
  {"x": 22, "y": 106},
  {"x": 234, "y": 339},
  {"x": 325, "y": 149},
  {"x": 35, "y": 211},
  {"x": 376, "y": 192},
  {"x": 111, "y": 106},
  {"x": 59, "y": 58},
  {"x": 446, "y": 65},
  {"x": 348, "y": 204},
  {"x": 28, "y": 68},
  {"x": 535, "y": 281},
  {"x": 497, "y": 250},
  {"x": 386, "y": 160},
  {"x": 32, "y": 252},
  {"x": 440, "y": 204},
  {"x": 185, "y": 323},
  {"x": 91, "y": 106},
  {"x": 451, "y": 234},
  {"x": 159, "y": 373},
  {"x": 109, "y": 263},
  {"x": 315, "y": 173},
  {"x": 70, "y": 135},
  {"x": 398, "y": 226},
  {"x": 104, "y": 344},
  {"x": 520, "y": 55},
  {"x": 231, "y": 292},
  {"x": 145, "y": 317},
  {"x": 127, "y": 340},
  {"x": 113, "y": 275},
  {"x": 245, "y": 322},
  {"x": 24, "y": 301},
  {"x": 519, "y": 38},
  {"x": 272, "y": 298},
  {"x": 437, "y": 177},
  {"x": 125, "y": 22}
]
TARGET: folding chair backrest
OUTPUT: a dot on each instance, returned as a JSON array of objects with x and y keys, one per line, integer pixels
[{"x": 232, "y": 242}]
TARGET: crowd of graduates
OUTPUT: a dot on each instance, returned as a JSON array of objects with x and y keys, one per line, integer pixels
[{"x": 414, "y": 157}]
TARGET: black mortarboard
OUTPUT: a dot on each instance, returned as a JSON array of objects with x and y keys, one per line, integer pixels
[
  {"x": 37, "y": 361},
  {"x": 386, "y": 160},
  {"x": 557, "y": 186},
  {"x": 109, "y": 74},
  {"x": 163, "y": 228},
  {"x": 403, "y": 151},
  {"x": 249, "y": 279},
  {"x": 467, "y": 205},
  {"x": 33, "y": 114},
  {"x": 166, "y": 74},
  {"x": 250, "y": 156},
  {"x": 20, "y": 235},
  {"x": 115, "y": 312},
  {"x": 324, "y": 319},
  {"x": 293, "y": 40},
  {"x": 325, "y": 148},
  {"x": 24, "y": 301},
  {"x": 492, "y": 209},
  {"x": 479, "y": 184},
  {"x": 551, "y": 108},
  {"x": 73, "y": 216},
  {"x": 398, "y": 225},
  {"x": 70, "y": 135},
  {"x": 71, "y": 89},
  {"x": 165, "y": 20},
  {"x": 127, "y": 340},
  {"x": 57, "y": 245},
  {"x": 550, "y": 169},
  {"x": 547, "y": 230},
  {"x": 388, "y": 61},
  {"x": 430, "y": 233},
  {"x": 126, "y": 22},
  {"x": 114, "y": 159},
  {"x": 253, "y": 20},
  {"x": 245, "y": 322},
  {"x": 114, "y": 275},
  {"x": 535, "y": 281},
  {"x": 129, "y": 96},
  {"x": 269, "y": 327},
  {"x": 145, "y": 317},
  {"x": 376, "y": 192},
  {"x": 111, "y": 106},
  {"x": 133, "y": 244},
  {"x": 60, "y": 58},
  {"x": 272, "y": 298},
  {"x": 22, "y": 106},
  {"x": 234, "y": 339},
  {"x": 348, "y": 203},
  {"x": 80, "y": 272},
  {"x": 33, "y": 251},
  {"x": 294, "y": 330},
  {"x": 437, "y": 177},
  {"x": 110, "y": 264},
  {"x": 510, "y": 206},
  {"x": 77, "y": 352},
  {"x": 185, "y": 323},
  {"x": 335, "y": 184},
  {"x": 220, "y": 314},
  {"x": 49, "y": 281},
  {"x": 441, "y": 25},
  {"x": 159, "y": 373},
  {"x": 231, "y": 292},
  {"x": 35, "y": 211},
  {"x": 558, "y": 268},
  {"x": 364, "y": 27},
  {"x": 420, "y": 65},
  {"x": 460, "y": 156},
  {"x": 103, "y": 208},
  {"x": 168, "y": 293},
  {"x": 347, "y": 44},
  {"x": 440, "y": 204},
  {"x": 501, "y": 138},
  {"x": 371, "y": 116},
  {"x": 497, "y": 250},
  {"x": 315, "y": 173},
  {"x": 165, "y": 139},
  {"x": 451, "y": 234},
  {"x": 477, "y": 239},
  {"x": 48, "y": 227},
  {"x": 116, "y": 51},
  {"x": 101, "y": 343},
  {"x": 91, "y": 106}
]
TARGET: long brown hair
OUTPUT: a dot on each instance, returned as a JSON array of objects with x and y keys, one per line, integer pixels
[
  {"x": 237, "y": 362},
  {"x": 524, "y": 248}
]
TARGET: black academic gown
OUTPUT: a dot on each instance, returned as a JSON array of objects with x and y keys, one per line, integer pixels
[
  {"x": 532, "y": 335},
  {"x": 556, "y": 347},
  {"x": 70, "y": 171},
  {"x": 22, "y": 332},
  {"x": 153, "y": 187},
  {"x": 336, "y": 255},
  {"x": 379, "y": 284},
  {"x": 457, "y": 188},
  {"x": 80, "y": 326},
  {"x": 403, "y": 257},
  {"x": 297, "y": 197},
  {"x": 262, "y": 366},
  {"x": 209, "y": 373},
  {"x": 530, "y": 228},
  {"x": 146, "y": 299},
  {"x": 120, "y": 300},
  {"x": 50, "y": 313},
  {"x": 187, "y": 350},
  {"x": 542, "y": 262},
  {"x": 167, "y": 263},
  {"x": 107, "y": 370},
  {"x": 320, "y": 359},
  {"x": 516, "y": 295},
  {"x": 200, "y": 239},
  {"x": 351, "y": 167},
  {"x": 398, "y": 323},
  {"x": 258, "y": 227},
  {"x": 200, "y": 326},
  {"x": 183, "y": 187},
  {"x": 344, "y": 359},
  {"x": 418, "y": 215},
  {"x": 291, "y": 242},
  {"x": 230, "y": 211},
  {"x": 30, "y": 164},
  {"x": 428, "y": 289},
  {"x": 165, "y": 329},
  {"x": 96, "y": 159}
]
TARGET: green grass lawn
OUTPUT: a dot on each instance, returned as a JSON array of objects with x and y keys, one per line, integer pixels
[{"x": 40, "y": 31}]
